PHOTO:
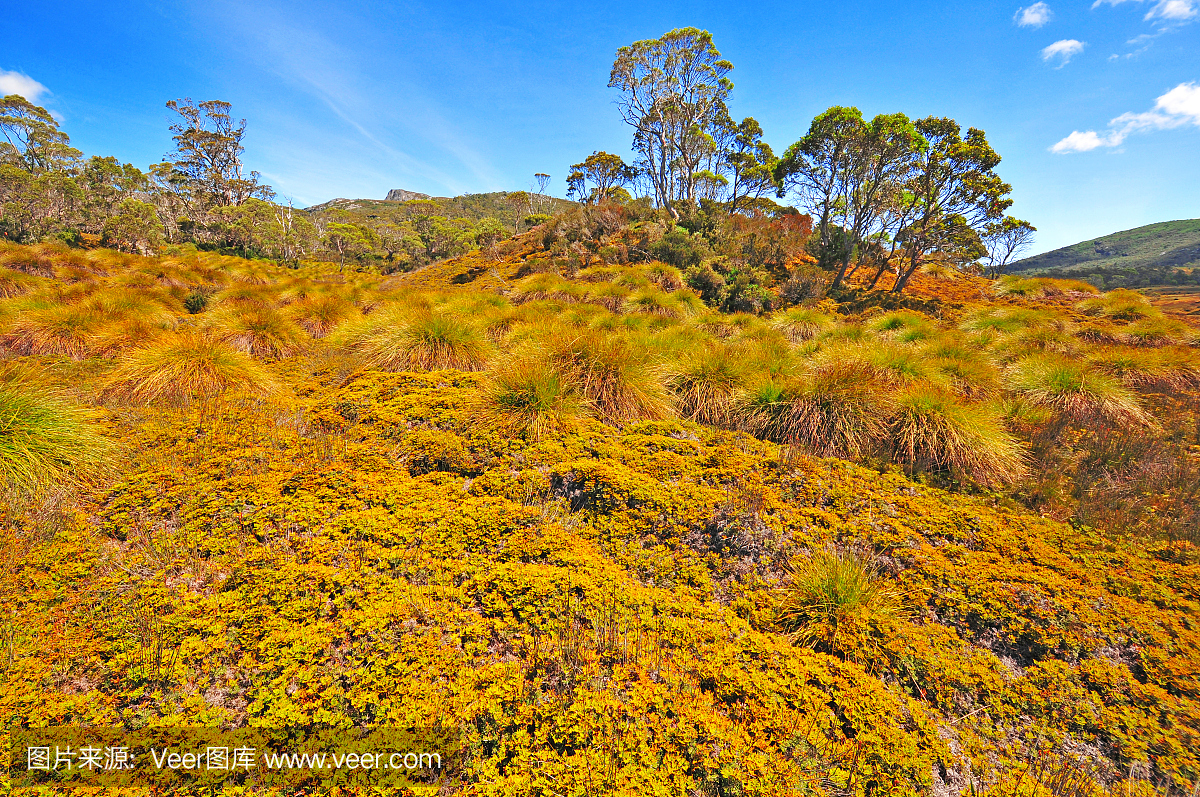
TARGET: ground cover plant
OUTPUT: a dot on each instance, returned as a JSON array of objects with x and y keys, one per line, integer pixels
[{"x": 621, "y": 541}]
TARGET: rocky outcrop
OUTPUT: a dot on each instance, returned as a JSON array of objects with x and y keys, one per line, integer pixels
[{"x": 400, "y": 195}]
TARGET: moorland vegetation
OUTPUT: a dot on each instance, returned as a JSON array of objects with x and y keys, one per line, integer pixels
[{"x": 686, "y": 494}]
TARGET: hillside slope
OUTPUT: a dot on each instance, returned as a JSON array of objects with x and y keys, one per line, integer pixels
[
  {"x": 352, "y": 520},
  {"x": 1166, "y": 245}
]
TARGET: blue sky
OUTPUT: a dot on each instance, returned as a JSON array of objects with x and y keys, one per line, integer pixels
[{"x": 351, "y": 99}]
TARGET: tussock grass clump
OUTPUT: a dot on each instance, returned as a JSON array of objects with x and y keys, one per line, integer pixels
[
  {"x": 15, "y": 283},
  {"x": 527, "y": 396},
  {"x": 319, "y": 315},
  {"x": 1120, "y": 304},
  {"x": 653, "y": 302},
  {"x": 800, "y": 324},
  {"x": 617, "y": 379},
  {"x": 1013, "y": 285},
  {"x": 838, "y": 603},
  {"x": 1167, "y": 369},
  {"x": 1006, "y": 320},
  {"x": 839, "y": 410},
  {"x": 46, "y": 440},
  {"x": 933, "y": 431},
  {"x": 1075, "y": 392},
  {"x": 184, "y": 368},
  {"x": 897, "y": 365},
  {"x": 258, "y": 330},
  {"x": 60, "y": 331},
  {"x": 423, "y": 341},
  {"x": 1159, "y": 331},
  {"x": 708, "y": 386}
]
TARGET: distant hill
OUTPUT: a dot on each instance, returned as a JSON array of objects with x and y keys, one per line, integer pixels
[
  {"x": 467, "y": 206},
  {"x": 1166, "y": 253}
]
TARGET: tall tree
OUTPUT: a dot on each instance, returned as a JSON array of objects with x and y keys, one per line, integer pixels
[
  {"x": 207, "y": 161},
  {"x": 750, "y": 163},
  {"x": 32, "y": 139},
  {"x": 595, "y": 179},
  {"x": 673, "y": 93},
  {"x": 848, "y": 174},
  {"x": 951, "y": 198}
]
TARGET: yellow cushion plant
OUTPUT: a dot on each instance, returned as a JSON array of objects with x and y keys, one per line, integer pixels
[{"x": 471, "y": 517}]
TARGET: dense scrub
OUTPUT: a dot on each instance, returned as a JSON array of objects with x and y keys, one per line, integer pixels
[{"x": 577, "y": 514}]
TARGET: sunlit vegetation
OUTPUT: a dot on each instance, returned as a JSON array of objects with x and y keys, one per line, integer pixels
[
  {"x": 681, "y": 494},
  {"x": 591, "y": 482}
]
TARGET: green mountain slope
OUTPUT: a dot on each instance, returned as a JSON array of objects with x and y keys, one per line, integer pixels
[{"x": 1150, "y": 255}]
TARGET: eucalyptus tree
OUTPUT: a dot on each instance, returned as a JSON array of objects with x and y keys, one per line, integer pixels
[
  {"x": 849, "y": 174},
  {"x": 1005, "y": 240},
  {"x": 206, "y": 165},
  {"x": 32, "y": 139},
  {"x": 597, "y": 178},
  {"x": 750, "y": 164},
  {"x": 951, "y": 198},
  {"x": 673, "y": 93}
]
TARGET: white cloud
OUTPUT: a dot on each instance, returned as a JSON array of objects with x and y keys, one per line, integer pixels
[
  {"x": 16, "y": 83},
  {"x": 1174, "y": 10},
  {"x": 1064, "y": 50},
  {"x": 1079, "y": 142},
  {"x": 1179, "y": 106},
  {"x": 1033, "y": 16},
  {"x": 1171, "y": 10}
]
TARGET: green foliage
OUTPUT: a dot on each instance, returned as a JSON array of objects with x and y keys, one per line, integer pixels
[{"x": 46, "y": 441}]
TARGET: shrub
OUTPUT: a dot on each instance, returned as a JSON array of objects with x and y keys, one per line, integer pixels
[
  {"x": 186, "y": 367},
  {"x": 1073, "y": 391},
  {"x": 528, "y": 396},
  {"x": 45, "y": 440},
  {"x": 196, "y": 301},
  {"x": 837, "y": 603},
  {"x": 933, "y": 431}
]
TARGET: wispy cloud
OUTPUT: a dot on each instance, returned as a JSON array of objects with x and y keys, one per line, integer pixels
[
  {"x": 16, "y": 83},
  {"x": 1063, "y": 51},
  {"x": 1178, "y": 107},
  {"x": 1034, "y": 16},
  {"x": 1167, "y": 10}
]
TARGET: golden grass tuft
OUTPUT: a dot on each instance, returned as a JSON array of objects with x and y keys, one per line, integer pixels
[
  {"x": 837, "y": 602},
  {"x": 617, "y": 379},
  {"x": 68, "y": 330},
  {"x": 933, "y": 431},
  {"x": 708, "y": 386},
  {"x": 319, "y": 315},
  {"x": 527, "y": 396},
  {"x": 404, "y": 340},
  {"x": 1075, "y": 392},
  {"x": 46, "y": 440},
  {"x": 839, "y": 410},
  {"x": 258, "y": 330},
  {"x": 187, "y": 367},
  {"x": 799, "y": 324}
]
